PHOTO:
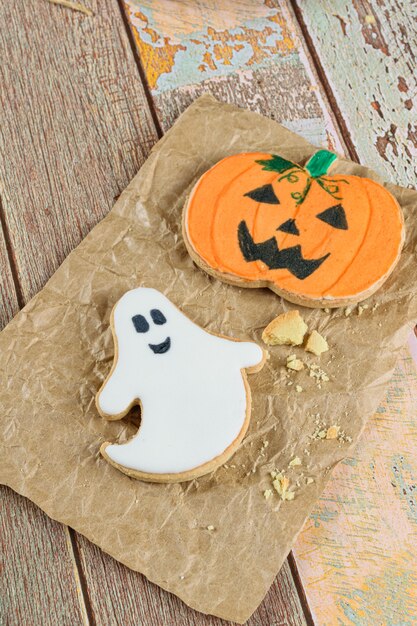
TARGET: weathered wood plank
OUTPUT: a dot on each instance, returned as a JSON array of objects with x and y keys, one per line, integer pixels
[
  {"x": 119, "y": 595},
  {"x": 357, "y": 554},
  {"x": 246, "y": 53},
  {"x": 76, "y": 129},
  {"x": 37, "y": 588},
  {"x": 38, "y": 583},
  {"x": 368, "y": 51}
]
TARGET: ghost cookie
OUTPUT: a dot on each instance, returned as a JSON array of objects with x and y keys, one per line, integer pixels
[
  {"x": 190, "y": 384},
  {"x": 259, "y": 220}
]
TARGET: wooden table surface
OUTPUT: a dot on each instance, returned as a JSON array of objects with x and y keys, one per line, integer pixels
[{"x": 83, "y": 101}]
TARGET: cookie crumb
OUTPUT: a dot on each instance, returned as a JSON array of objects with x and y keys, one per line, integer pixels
[
  {"x": 309, "y": 480},
  {"x": 298, "y": 388},
  {"x": 267, "y": 494},
  {"x": 295, "y": 461},
  {"x": 332, "y": 432},
  {"x": 326, "y": 310},
  {"x": 287, "y": 329},
  {"x": 295, "y": 364},
  {"x": 318, "y": 374},
  {"x": 265, "y": 444},
  {"x": 322, "y": 434},
  {"x": 370, "y": 19},
  {"x": 316, "y": 344},
  {"x": 210, "y": 527},
  {"x": 348, "y": 310},
  {"x": 343, "y": 437},
  {"x": 281, "y": 485}
]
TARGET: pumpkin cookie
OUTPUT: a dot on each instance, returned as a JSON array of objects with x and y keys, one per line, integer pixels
[{"x": 259, "y": 220}]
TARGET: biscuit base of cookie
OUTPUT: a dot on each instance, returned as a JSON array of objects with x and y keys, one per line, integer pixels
[
  {"x": 205, "y": 468},
  {"x": 312, "y": 303}
]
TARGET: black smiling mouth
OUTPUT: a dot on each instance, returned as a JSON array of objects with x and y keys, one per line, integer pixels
[
  {"x": 160, "y": 348},
  {"x": 269, "y": 252}
]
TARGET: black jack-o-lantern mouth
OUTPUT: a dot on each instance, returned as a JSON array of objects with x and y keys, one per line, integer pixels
[
  {"x": 269, "y": 253},
  {"x": 290, "y": 258}
]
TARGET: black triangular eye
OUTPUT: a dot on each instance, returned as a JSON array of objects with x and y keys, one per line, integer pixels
[
  {"x": 335, "y": 216},
  {"x": 264, "y": 194},
  {"x": 289, "y": 227}
]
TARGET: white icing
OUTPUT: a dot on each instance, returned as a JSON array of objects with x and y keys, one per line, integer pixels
[{"x": 193, "y": 396}]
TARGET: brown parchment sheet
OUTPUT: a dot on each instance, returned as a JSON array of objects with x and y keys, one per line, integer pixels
[{"x": 57, "y": 351}]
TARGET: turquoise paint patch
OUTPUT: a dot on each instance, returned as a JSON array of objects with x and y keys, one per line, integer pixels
[
  {"x": 387, "y": 596},
  {"x": 322, "y": 515},
  {"x": 350, "y": 461},
  {"x": 405, "y": 480}
]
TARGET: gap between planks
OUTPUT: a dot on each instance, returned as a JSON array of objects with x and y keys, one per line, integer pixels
[
  {"x": 80, "y": 580},
  {"x": 300, "y": 589},
  {"x": 141, "y": 70},
  {"x": 10, "y": 256}
]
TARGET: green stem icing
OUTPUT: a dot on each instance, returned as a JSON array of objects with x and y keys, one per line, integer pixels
[
  {"x": 315, "y": 170},
  {"x": 319, "y": 163}
]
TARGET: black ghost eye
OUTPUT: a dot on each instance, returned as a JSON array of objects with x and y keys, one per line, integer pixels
[
  {"x": 158, "y": 317},
  {"x": 264, "y": 194},
  {"x": 335, "y": 216},
  {"x": 140, "y": 323}
]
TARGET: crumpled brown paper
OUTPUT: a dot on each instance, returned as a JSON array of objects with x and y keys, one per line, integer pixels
[{"x": 58, "y": 349}]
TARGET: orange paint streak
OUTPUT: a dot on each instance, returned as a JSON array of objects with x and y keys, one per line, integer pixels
[{"x": 156, "y": 60}]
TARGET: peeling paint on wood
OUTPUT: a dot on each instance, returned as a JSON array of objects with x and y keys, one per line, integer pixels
[
  {"x": 357, "y": 554},
  {"x": 184, "y": 42},
  {"x": 368, "y": 52},
  {"x": 247, "y": 53}
]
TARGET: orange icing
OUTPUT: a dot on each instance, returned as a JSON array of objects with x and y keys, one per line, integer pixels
[{"x": 359, "y": 255}]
